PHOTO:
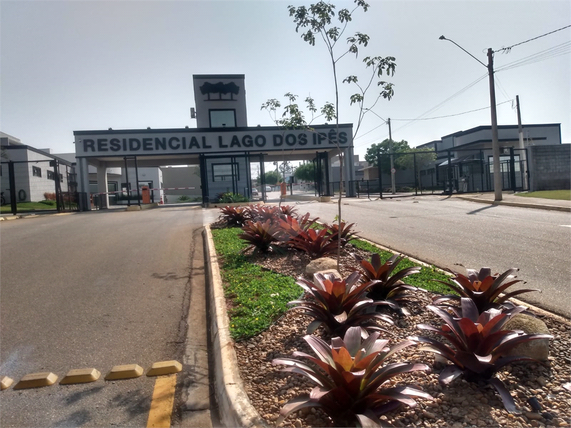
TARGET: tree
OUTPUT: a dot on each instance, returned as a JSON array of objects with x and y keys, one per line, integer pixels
[
  {"x": 384, "y": 148},
  {"x": 305, "y": 172},
  {"x": 416, "y": 159},
  {"x": 272, "y": 177},
  {"x": 320, "y": 20}
]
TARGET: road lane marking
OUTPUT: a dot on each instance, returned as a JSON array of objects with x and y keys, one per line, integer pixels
[{"x": 162, "y": 402}]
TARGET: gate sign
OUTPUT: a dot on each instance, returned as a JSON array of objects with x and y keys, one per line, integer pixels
[{"x": 209, "y": 141}]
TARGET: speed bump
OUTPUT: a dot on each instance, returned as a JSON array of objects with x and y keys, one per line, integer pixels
[
  {"x": 6, "y": 382},
  {"x": 36, "y": 380},
  {"x": 127, "y": 371},
  {"x": 164, "y": 368},
  {"x": 80, "y": 376}
]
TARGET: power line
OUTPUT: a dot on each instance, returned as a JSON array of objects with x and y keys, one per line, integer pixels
[
  {"x": 456, "y": 114},
  {"x": 509, "y": 48},
  {"x": 561, "y": 49}
]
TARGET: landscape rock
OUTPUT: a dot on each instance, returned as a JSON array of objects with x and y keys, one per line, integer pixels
[
  {"x": 318, "y": 265},
  {"x": 538, "y": 349}
]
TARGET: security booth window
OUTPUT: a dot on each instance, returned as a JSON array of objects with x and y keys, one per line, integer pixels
[
  {"x": 225, "y": 171},
  {"x": 222, "y": 118},
  {"x": 36, "y": 172}
]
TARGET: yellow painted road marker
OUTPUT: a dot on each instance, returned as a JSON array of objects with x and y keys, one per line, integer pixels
[
  {"x": 162, "y": 402},
  {"x": 162, "y": 368},
  {"x": 127, "y": 371},
  {"x": 36, "y": 380},
  {"x": 80, "y": 376},
  {"x": 6, "y": 382}
]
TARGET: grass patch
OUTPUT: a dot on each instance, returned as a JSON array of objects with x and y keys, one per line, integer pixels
[
  {"x": 258, "y": 297},
  {"x": 564, "y": 195},
  {"x": 30, "y": 206}
]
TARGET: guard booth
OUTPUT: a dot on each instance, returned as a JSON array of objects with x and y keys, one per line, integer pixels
[{"x": 222, "y": 144}]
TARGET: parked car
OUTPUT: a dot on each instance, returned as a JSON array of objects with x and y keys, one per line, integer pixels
[
  {"x": 268, "y": 188},
  {"x": 255, "y": 193}
]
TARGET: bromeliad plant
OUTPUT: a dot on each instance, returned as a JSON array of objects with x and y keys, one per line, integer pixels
[
  {"x": 479, "y": 345},
  {"x": 338, "y": 304},
  {"x": 483, "y": 288},
  {"x": 263, "y": 237},
  {"x": 342, "y": 231},
  {"x": 349, "y": 375},
  {"x": 388, "y": 285},
  {"x": 235, "y": 216},
  {"x": 316, "y": 243}
]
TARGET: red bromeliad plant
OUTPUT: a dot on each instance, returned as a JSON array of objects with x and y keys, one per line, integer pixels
[
  {"x": 479, "y": 345},
  {"x": 483, "y": 288},
  {"x": 349, "y": 375},
  {"x": 339, "y": 304},
  {"x": 341, "y": 231},
  {"x": 294, "y": 226},
  {"x": 388, "y": 286},
  {"x": 288, "y": 210},
  {"x": 262, "y": 236},
  {"x": 313, "y": 242},
  {"x": 263, "y": 213},
  {"x": 235, "y": 216}
]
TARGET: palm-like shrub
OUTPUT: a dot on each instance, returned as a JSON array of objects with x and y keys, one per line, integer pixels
[
  {"x": 262, "y": 236},
  {"x": 338, "y": 304},
  {"x": 349, "y": 375},
  {"x": 483, "y": 288},
  {"x": 479, "y": 345},
  {"x": 388, "y": 285},
  {"x": 235, "y": 216}
]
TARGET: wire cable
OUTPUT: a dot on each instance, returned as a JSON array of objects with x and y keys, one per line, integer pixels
[
  {"x": 558, "y": 50},
  {"x": 456, "y": 114},
  {"x": 509, "y": 48}
]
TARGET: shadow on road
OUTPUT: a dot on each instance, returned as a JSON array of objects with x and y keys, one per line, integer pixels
[{"x": 487, "y": 207}]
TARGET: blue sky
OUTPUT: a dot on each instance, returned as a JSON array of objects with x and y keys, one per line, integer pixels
[{"x": 84, "y": 65}]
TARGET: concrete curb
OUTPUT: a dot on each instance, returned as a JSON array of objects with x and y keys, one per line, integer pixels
[
  {"x": 516, "y": 204},
  {"x": 234, "y": 407}
]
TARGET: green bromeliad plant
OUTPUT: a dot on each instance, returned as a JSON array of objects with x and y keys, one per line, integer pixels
[
  {"x": 477, "y": 345},
  {"x": 349, "y": 375},
  {"x": 338, "y": 304}
]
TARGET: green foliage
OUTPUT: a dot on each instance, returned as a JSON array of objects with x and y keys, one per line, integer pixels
[
  {"x": 384, "y": 148},
  {"x": 51, "y": 203},
  {"x": 262, "y": 236},
  {"x": 424, "y": 158},
  {"x": 272, "y": 177},
  {"x": 349, "y": 375},
  {"x": 479, "y": 345},
  {"x": 564, "y": 195},
  {"x": 257, "y": 297},
  {"x": 229, "y": 198},
  {"x": 305, "y": 172},
  {"x": 337, "y": 304}
]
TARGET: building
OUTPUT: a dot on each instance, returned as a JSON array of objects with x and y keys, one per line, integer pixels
[
  {"x": 223, "y": 146},
  {"x": 32, "y": 175}
]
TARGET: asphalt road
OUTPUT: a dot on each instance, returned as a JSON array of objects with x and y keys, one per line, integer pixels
[
  {"x": 453, "y": 233},
  {"x": 92, "y": 290}
]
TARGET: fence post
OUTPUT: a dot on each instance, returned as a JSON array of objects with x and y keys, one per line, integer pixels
[
  {"x": 512, "y": 169},
  {"x": 12, "y": 179},
  {"x": 416, "y": 181},
  {"x": 380, "y": 175}
]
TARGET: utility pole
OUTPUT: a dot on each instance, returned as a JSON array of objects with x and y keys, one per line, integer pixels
[
  {"x": 495, "y": 142},
  {"x": 523, "y": 154},
  {"x": 392, "y": 158}
]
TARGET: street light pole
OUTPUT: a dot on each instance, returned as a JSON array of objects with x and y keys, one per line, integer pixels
[{"x": 495, "y": 141}]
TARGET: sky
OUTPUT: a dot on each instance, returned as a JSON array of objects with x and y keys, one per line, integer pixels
[{"x": 92, "y": 65}]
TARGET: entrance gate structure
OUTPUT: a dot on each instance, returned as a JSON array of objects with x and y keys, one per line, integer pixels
[{"x": 222, "y": 144}]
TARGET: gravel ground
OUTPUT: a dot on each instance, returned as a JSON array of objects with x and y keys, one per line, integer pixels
[{"x": 461, "y": 404}]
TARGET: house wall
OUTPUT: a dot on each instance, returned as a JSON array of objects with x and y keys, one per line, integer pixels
[{"x": 550, "y": 167}]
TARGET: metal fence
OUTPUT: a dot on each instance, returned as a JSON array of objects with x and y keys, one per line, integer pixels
[{"x": 37, "y": 186}]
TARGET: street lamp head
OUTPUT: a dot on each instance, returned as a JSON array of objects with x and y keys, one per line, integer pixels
[{"x": 442, "y": 38}]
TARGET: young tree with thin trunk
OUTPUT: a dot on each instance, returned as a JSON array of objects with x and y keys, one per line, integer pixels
[{"x": 321, "y": 21}]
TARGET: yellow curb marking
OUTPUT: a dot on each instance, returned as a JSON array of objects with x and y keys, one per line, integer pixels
[
  {"x": 127, "y": 371},
  {"x": 162, "y": 402},
  {"x": 80, "y": 376},
  {"x": 36, "y": 380},
  {"x": 164, "y": 368},
  {"x": 6, "y": 382}
]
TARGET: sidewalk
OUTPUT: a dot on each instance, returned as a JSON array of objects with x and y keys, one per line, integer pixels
[{"x": 512, "y": 199}]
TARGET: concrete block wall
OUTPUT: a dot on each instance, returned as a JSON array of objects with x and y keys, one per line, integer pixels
[{"x": 550, "y": 167}]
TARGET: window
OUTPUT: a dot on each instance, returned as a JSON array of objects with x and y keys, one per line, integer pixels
[
  {"x": 223, "y": 171},
  {"x": 504, "y": 163},
  {"x": 51, "y": 175},
  {"x": 222, "y": 118},
  {"x": 36, "y": 172}
]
